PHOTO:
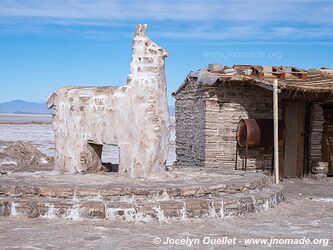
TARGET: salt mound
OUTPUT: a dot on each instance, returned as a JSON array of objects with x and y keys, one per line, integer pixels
[{"x": 24, "y": 153}]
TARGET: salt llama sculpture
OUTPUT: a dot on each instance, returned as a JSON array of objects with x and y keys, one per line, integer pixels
[{"x": 134, "y": 117}]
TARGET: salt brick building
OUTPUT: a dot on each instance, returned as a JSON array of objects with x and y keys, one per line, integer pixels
[{"x": 211, "y": 102}]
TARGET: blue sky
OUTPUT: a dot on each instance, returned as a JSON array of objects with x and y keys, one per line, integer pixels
[{"x": 47, "y": 44}]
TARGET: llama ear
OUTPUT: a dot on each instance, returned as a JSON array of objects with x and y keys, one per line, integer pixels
[
  {"x": 144, "y": 27},
  {"x": 51, "y": 99},
  {"x": 140, "y": 29}
]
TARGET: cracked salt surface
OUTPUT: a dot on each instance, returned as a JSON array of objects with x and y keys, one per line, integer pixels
[
  {"x": 7, "y": 162},
  {"x": 323, "y": 199}
]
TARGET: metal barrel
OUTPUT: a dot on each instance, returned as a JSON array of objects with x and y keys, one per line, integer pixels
[{"x": 258, "y": 132}]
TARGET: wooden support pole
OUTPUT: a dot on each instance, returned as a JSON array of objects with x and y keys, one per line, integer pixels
[
  {"x": 236, "y": 156},
  {"x": 276, "y": 130}
]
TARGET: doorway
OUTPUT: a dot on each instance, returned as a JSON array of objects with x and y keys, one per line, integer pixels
[{"x": 294, "y": 116}]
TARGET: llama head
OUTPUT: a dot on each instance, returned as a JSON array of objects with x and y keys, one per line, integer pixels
[
  {"x": 147, "y": 58},
  {"x": 142, "y": 41},
  {"x": 140, "y": 30}
]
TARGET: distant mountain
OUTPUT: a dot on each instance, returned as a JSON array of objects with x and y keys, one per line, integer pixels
[{"x": 23, "y": 107}]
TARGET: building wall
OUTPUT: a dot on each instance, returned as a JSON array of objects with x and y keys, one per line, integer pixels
[
  {"x": 190, "y": 125},
  {"x": 226, "y": 105},
  {"x": 207, "y": 119},
  {"x": 315, "y": 134}
]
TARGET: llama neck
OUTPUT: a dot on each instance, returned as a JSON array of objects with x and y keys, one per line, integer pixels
[{"x": 147, "y": 66}]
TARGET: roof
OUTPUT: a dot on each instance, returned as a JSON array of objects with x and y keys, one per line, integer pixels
[{"x": 289, "y": 78}]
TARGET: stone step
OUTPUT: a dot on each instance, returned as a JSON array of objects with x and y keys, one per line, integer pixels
[
  {"x": 137, "y": 208},
  {"x": 185, "y": 193},
  {"x": 186, "y": 182}
]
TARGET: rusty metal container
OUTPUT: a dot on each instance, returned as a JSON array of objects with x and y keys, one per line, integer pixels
[{"x": 258, "y": 132}]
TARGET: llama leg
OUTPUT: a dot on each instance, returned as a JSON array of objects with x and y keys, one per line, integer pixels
[
  {"x": 61, "y": 164},
  {"x": 125, "y": 160},
  {"x": 65, "y": 160},
  {"x": 136, "y": 161}
]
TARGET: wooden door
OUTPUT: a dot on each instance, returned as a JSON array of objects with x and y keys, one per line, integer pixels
[
  {"x": 294, "y": 113},
  {"x": 328, "y": 146}
]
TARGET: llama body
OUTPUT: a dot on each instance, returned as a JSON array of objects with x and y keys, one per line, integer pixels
[{"x": 134, "y": 117}]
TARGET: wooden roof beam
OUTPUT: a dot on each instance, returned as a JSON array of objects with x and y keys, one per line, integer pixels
[{"x": 299, "y": 73}]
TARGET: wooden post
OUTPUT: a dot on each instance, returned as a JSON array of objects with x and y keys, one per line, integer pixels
[
  {"x": 276, "y": 130},
  {"x": 236, "y": 156}
]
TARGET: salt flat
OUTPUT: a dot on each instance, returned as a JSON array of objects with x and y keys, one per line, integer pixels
[
  {"x": 24, "y": 118},
  {"x": 37, "y": 129}
]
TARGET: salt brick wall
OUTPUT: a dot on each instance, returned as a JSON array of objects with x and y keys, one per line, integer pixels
[
  {"x": 207, "y": 120},
  {"x": 315, "y": 133},
  {"x": 226, "y": 106},
  {"x": 190, "y": 126}
]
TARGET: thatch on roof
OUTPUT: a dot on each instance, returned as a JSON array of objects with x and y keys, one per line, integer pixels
[{"x": 289, "y": 78}]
